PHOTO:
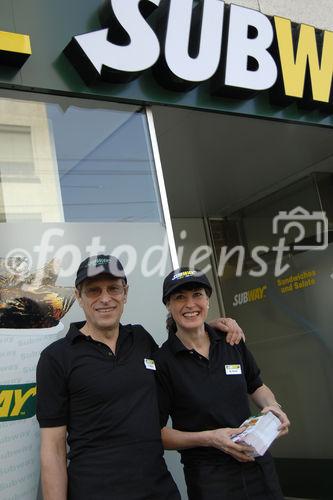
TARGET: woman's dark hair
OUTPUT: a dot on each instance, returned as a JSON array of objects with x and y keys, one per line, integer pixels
[{"x": 170, "y": 325}]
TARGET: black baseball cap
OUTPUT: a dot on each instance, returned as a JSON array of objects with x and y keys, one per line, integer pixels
[
  {"x": 181, "y": 277},
  {"x": 100, "y": 264}
]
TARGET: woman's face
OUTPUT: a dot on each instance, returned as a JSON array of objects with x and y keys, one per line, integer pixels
[{"x": 189, "y": 308}]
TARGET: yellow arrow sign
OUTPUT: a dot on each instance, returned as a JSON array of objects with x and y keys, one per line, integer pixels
[{"x": 14, "y": 48}]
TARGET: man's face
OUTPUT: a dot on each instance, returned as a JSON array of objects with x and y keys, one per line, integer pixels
[{"x": 102, "y": 300}]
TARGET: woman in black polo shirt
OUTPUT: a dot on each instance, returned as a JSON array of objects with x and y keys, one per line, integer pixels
[{"x": 203, "y": 384}]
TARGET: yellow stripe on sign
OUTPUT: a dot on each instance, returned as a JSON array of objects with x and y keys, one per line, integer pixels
[{"x": 15, "y": 42}]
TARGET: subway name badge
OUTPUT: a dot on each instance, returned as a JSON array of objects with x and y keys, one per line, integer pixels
[
  {"x": 150, "y": 364},
  {"x": 233, "y": 369}
]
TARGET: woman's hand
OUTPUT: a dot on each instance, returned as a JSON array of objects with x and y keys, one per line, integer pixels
[
  {"x": 285, "y": 423},
  {"x": 264, "y": 398},
  {"x": 228, "y": 325},
  {"x": 221, "y": 439}
]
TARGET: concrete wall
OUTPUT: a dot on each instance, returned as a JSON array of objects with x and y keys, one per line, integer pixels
[{"x": 317, "y": 13}]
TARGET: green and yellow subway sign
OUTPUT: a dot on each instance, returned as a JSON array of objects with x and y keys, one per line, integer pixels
[
  {"x": 14, "y": 48},
  {"x": 17, "y": 402},
  {"x": 239, "y": 50}
]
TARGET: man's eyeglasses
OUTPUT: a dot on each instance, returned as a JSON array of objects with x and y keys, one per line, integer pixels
[{"x": 92, "y": 292}]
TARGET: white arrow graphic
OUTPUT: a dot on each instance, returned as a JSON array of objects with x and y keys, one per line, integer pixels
[
  {"x": 140, "y": 54},
  {"x": 94, "y": 45}
]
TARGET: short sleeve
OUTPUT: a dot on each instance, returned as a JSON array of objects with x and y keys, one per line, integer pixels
[
  {"x": 164, "y": 393},
  {"x": 251, "y": 370},
  {"x": 52, "y": 394}
]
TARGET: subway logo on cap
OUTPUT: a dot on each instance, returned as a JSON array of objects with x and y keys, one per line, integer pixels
[
  {"x": 17, "y": 402},
  {"x": 184, "y": 274},
  {"x": 99, "y": 262}
]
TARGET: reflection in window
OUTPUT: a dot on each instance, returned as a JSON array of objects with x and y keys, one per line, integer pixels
[
  {"x": 28, "y": 168},
  {"x": 76, "y": 160},
  {"x": 105, "y": 165},
  {"x": 16, "y": 156}
]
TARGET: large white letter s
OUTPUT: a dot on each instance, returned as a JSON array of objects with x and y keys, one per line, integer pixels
[{"x": 116, "y": 62}]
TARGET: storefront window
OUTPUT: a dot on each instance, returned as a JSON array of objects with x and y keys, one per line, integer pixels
[
  {"x": 77, "y": 178},
  {"x": 76, "y": 162},
  {"x": 285, "y": 307}
]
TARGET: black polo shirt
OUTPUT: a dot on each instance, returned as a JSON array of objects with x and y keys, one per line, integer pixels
[
  {"x": 108, "y": 403},
  {"x": 204, "y": 394}
]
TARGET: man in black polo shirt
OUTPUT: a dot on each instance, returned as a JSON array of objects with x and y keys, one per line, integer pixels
[{"x": 96, "y": 386}]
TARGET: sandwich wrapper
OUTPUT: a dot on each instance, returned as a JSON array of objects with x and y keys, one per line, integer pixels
[{"x": 260, "y": 433}]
